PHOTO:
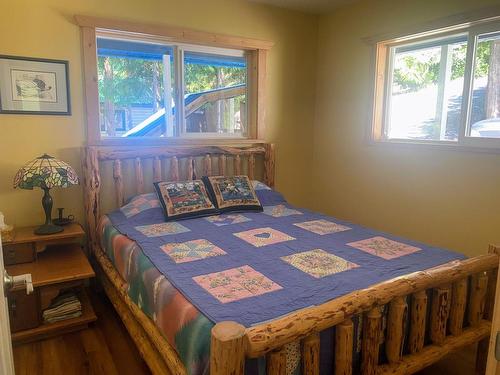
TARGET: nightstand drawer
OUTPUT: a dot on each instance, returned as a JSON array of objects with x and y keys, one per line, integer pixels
[
  {"x": 23, "y": 310},
  {"x": 18, "y": 253}
]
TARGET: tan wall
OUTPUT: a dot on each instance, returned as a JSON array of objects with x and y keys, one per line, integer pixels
[
  {"x": 445, "y": 198},
  {"x": 46, "y": 29}
]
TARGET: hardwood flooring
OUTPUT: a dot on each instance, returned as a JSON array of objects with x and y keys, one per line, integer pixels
[{"x": 106, "y": 348}]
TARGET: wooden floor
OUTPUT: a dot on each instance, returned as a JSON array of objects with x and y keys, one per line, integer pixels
[{"x": 106, "y": 348}]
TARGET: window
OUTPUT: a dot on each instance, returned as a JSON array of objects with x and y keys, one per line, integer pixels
[
  {"x": 139, "y": 82},
  {"x": 160, "y": 84},
  {"x": 443, "y": 88}
]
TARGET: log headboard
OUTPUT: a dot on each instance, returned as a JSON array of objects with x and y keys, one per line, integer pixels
[{"x": 110, "y": 164}]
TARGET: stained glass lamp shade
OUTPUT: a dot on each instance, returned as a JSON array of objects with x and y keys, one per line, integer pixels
[{"x": 46, "y": 172}]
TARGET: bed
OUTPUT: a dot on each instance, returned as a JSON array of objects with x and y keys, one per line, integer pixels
[{"x": 409, "y": 319}]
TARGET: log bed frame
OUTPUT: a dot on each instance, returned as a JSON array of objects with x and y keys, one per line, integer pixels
[{"x": 460, "y": 299}]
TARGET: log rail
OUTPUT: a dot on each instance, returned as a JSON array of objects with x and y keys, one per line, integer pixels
[{"x": 458, "y": 295}]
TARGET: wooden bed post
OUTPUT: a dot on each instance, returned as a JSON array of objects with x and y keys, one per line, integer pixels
[
  {"x": 227, "y": 349},
  {"x": 269, "y": 165},
  {"x": 483, "y": 345},
  {"x": 91, "y": 188}
]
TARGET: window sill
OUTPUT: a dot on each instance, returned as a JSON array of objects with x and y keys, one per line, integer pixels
[{"x": 491, "y": 146}]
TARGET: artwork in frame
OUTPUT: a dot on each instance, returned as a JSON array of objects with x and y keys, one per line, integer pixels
[{"x": 34, "y": 86}]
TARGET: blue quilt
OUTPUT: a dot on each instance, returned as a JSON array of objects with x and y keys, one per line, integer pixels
[{"x": 252, "y": 267}]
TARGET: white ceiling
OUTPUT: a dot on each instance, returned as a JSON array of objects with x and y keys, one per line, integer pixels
[{"x": 310, "y": 6}]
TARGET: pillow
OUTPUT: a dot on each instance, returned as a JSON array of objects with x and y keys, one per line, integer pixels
[
  {"x": 234, "y": 193},
  {"x": 187, "y": 199},
  {"x": 257, "y": 185}
]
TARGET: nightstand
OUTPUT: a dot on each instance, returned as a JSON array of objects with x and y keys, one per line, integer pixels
[{"x": 56, "y": 263}]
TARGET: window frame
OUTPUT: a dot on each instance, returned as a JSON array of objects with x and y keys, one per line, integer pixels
[
  {"x": 383, "y": 60},
  {"x": 181, "y": 38}
]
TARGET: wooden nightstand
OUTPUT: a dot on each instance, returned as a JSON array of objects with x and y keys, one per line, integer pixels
[{"x": 56, "y": 263}]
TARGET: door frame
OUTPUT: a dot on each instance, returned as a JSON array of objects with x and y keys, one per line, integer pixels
[{"x": 6, "y": 357}]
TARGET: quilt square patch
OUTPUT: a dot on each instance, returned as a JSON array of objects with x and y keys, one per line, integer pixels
[
  {"x": 280, "y": 210},
  {"x": 236, "y": 283},
  {"x": 162, "y": 229},
  {"x": 319, "y": 263},
  {"x": 384, "y": 247},
  {"x": 192, "y": 250},
  {"x": 263, "y": 236},
  {"x": 140, "y": 203},
  {"x": 322, "y": 227},
  {"x": 229, "y": 219}
]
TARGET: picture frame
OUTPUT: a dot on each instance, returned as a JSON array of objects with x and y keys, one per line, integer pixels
[{"x": 34, "y": 86}]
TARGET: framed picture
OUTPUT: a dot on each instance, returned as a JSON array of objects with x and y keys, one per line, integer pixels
[{"x": 34, "y": 86}]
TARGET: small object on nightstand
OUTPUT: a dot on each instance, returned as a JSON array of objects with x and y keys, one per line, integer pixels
[
  {"x": 61, "y": 220},
  {"x": 46, "y": 172},
  {"x": 6, "y": 231}
]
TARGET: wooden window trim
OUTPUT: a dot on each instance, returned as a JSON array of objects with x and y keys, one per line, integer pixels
[
  {"x": 257, "y": 74},
  {"x": 382, "y": 46}
]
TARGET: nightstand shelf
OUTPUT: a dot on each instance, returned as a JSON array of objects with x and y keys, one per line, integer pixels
[
  {"x": 46, "y": 330},
  {"x": 58, "y": 264}
]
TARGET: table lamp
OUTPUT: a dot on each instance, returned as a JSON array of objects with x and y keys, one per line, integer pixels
[{"x": 46, "y": 172}]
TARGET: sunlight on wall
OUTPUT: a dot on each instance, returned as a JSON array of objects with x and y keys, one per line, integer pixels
[{"x": 444, "y": 198}]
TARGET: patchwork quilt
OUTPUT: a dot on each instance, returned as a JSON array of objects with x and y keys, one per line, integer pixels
[{"x": 252, "y": 267}]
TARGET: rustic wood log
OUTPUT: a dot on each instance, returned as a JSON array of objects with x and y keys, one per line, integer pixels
[
  {"x": 485, "y": 359},
  {"x": 439, "y": 314},
  {"x": 492, "y": 286},
  {"x": 190, "y": 168},
  {"x": 251, "y": 166},
  {"x": 139, "y": 177},
  {"x": 483, "y": 345},
  {"x": 116, "y": 289},
  {"x": 118, "y": 179},
  {"x": 413, "y": 363},
  {"x": 457, "y": 309},
  {"x": 157, "y": 169},
  {"x": 396, "y": 323},
  {"x": 148, "y": 352},
  {"x": 344, "y": 341},
  {"x": 237, "y": 165},
  {"x": 227, "y": 349},
  {"x": 372, "y": 329},
  {"x": 295, "y": 326},
  {"x": 132, "y": 152},
  {"x": 269, "y": 165},
  {"x": 174, "y": 169},
  {"x": 207, "y": 165},
  {"x": 310, "y": 354},
  {"x": 417, "y": 321},
  {"x": 276, "y": 362},
  {"x": 478, "y": 285},
  {"x": 222, "y": 165},
  {"x": 92, "y": 187}
]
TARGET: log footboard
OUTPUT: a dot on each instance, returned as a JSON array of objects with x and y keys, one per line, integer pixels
[{"x": 459, "y": 295}]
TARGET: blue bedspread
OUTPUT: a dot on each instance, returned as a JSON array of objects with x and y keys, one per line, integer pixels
[{"x": 253, "y": 267}]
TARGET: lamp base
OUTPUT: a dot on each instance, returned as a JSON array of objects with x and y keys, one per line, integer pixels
[{"x": 48, "y": 229}]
